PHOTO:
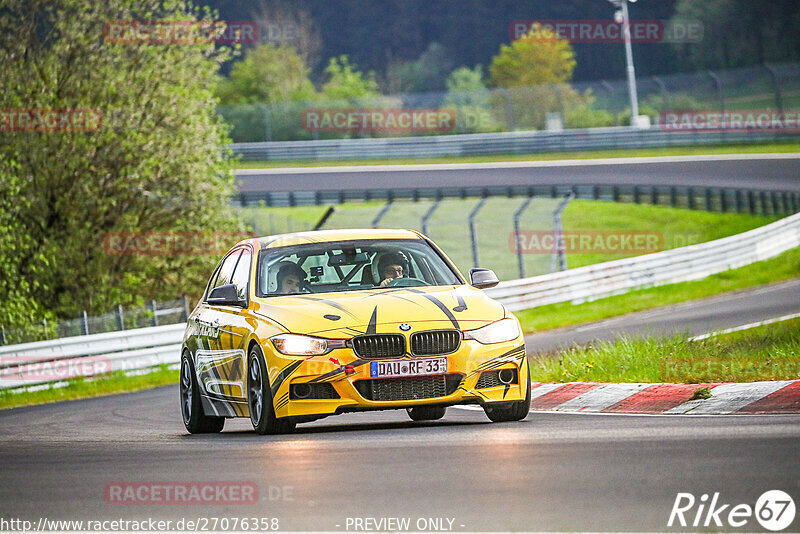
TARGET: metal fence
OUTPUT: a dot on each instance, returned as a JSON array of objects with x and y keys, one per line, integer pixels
[
  {"x": 27, "y": 365},
  {"x": 580, "y": 105},
  {"x": 152, "y": 314},
  {"x": 721, "y": 199},
  {"x": 475, "y": 232},
  {"x": 513, "y": 234}
]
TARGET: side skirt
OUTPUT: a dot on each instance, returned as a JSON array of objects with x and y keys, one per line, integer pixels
[{"x": 222, "y": 408}]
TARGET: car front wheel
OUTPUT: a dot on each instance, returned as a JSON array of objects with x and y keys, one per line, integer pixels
[
  {"x": 259, "y": 398},
  {"x": 517, "y": 411}
]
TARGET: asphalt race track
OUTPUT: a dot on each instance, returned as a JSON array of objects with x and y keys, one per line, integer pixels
[
  {"x": 548, "y": 472},
  {"x": 770, "y": 172}
]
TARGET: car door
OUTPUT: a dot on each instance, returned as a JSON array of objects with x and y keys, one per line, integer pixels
[
  {"x": 234, "y": 328},
  {"x": 213, "y": 356}
]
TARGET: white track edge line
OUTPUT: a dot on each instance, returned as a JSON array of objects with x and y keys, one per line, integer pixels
[{"x": 745, "y": 326}]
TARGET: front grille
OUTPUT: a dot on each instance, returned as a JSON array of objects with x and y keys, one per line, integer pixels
[
  {"x": 305, "y": 391},
  {"x": 435, "y": 342},
  {"x": 401, "y": 389},
  {"x": 379, "y": 346},
  {"x": 490, "y": 379}
]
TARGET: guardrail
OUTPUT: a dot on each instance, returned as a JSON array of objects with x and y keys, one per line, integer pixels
[
  {"x": 524, "y": 142},
  {"x": 739, "y": 200},
  {"x": 152, "y": 314},
  {"x": 146, "y": 347},
  {"x": 29, "y": 364},
  {"x": 671, "y": 266}
]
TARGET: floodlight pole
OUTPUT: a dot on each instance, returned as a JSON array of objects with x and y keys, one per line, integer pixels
[{"x": 626, "y": 30}]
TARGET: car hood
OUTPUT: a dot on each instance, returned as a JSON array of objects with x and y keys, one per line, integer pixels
[{"x": 346, "y": 314}]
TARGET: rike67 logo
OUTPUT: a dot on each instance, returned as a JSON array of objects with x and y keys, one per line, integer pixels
[{"x": 774, "y": 510}]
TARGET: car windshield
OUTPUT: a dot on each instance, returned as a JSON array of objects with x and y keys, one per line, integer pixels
[{"x": 351, "y": 266}]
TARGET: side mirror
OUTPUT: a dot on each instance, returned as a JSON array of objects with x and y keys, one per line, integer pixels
[
  {"x": 226, "y": 295},
  {"x": 483, "y": 278}
]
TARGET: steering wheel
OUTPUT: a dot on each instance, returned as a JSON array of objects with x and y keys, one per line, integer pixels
[
  {"x": 305, "y": 287},
  {"x": 406, "y": 282}
]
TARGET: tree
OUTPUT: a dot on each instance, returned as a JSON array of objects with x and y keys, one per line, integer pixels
[
  {"x": 269, "y": 73},
  {"x": 468, "y": 95},
  {"x": 286, "y": 23},
  {"x": 465, "y": 86},
  {"x": 739, "y": 33},
  {"x": 345, "y": 81},
  {"x": 17, "y": 293},
  {"x": 155, "y": 162},
  {"x": 538, "y": 58},
  {"x": 427, "y": 73}
]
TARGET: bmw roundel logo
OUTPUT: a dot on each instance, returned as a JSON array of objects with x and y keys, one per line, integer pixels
[{"x": 405, "y": 327}]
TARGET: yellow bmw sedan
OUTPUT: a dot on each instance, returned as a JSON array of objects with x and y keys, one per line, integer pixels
[{"x": 296, "y": 327}]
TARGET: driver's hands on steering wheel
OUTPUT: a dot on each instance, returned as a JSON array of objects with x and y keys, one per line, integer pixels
[{"x": 406, "y": 281}]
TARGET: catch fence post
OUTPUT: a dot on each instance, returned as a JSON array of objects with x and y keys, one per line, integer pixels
[
  {"x": 517, "y": 215},
  {"x": 777, "y": 85},
  {"x": 473, "y": 236},
  {"x": 384, "y": 210},
  {"x": 428, "y": 215},
  {"x": 154, "y": 308},
  {"x": 186, "y": 308},
  {"x": 558, "y": 260}
]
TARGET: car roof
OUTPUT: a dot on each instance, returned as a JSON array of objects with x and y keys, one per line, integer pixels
[{"x": 327, "y": 236}]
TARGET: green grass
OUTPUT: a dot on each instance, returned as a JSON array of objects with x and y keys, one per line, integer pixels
[
  {"x": 79, "y": 388},
  {"x": 541, "y": 156},
  {"x": 782, "y": 267},
  {"x": 770, "y": 352},
  {"x": 677, "y": 227}
]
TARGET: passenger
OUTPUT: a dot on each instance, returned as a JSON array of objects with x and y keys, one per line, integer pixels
[{"x": 290, "y": 279}]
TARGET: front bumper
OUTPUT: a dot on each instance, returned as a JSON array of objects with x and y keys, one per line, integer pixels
[{"x": 346, "y": 375}]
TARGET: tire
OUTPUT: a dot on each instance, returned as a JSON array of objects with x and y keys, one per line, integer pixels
[
  {"x": 259, "y": 398},
  {"x": 517, "y": 411},
  {"x": 195, "y": 421},
  {"x": 426, "y": 413}
]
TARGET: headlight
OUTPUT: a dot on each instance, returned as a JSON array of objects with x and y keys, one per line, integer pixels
[
  {"x": 497, "y": 332},
  {"x": 297, "y": 345}
]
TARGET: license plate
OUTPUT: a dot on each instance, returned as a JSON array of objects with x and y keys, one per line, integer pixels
[{"x": 427, "y": 366}]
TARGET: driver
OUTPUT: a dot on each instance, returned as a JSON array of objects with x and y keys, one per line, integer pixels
[
  {"x": 390, "y": 267},
  {"x": 289, "y": 278}
]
